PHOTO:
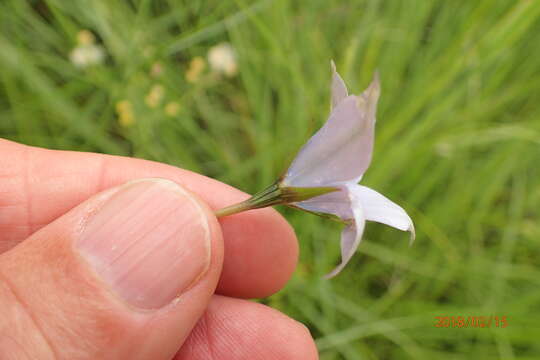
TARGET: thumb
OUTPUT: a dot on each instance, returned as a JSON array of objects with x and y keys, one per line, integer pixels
[{"x": 124, "y": 275}]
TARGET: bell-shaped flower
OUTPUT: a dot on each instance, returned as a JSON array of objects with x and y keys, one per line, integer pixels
[
  {"x": 337, "y": 156},
  {"x": 324, "y": 176}
]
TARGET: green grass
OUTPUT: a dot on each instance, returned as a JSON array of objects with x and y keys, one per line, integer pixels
[{"x": 457, "y": 143}]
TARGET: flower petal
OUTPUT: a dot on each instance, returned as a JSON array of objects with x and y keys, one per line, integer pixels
[
  {"x": 350, "y": 239},
  {"x": 345, "y": 204},
  {"x": 341, "y": 150},
  {"x": 336, "y": 203},
  {"x": 380, "y": 209},
  {"x": 339, "y": 89}
]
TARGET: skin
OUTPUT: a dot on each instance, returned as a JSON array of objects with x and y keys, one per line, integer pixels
[{"x": 44, "y": 192}]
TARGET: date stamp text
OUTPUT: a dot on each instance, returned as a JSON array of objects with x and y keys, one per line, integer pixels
[{"x": 471, "y": 321}]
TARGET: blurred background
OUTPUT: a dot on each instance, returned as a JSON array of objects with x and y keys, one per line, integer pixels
[{"x": 232, "y": 89}]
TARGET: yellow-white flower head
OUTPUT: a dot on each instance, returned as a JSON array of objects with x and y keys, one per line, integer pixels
[
  {"x": 222, "y": 59},
  {"x": 86, "y": 53}
]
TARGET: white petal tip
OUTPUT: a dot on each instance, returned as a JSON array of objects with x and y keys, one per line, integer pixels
[
  {"x": 333, "y": 273},
  {"x": 375, "y": 85},
  {"x": 338, "y": 89},
  {"x": 413, "y": 234}
]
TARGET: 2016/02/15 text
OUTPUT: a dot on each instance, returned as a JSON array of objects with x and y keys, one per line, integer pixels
[{"x": 471, "y": 321}]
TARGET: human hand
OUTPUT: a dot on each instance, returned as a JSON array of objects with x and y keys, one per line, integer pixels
[{"x": 94, "y": 268}]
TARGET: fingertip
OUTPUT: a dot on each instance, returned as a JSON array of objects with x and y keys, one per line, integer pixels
[
  {"x": 249, "y": 331},
  {"x": 267, "y": 246}
]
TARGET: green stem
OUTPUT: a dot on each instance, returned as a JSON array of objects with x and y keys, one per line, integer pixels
[
  {"x": 268, "y": 197},
  {"x": 233, "y": 209}
]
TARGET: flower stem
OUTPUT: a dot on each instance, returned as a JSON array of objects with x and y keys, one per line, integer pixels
[
  {"x": 233, "y": 209},
  {"x": 268, "y": 197}
]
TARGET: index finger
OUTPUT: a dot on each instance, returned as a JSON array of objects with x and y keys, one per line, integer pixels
[{"x": 39, "y": 185}]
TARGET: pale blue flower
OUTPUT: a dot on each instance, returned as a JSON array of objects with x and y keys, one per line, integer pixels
[
  {"x": 324, "y": 176},
  {"x": 337, "y": 156}
]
